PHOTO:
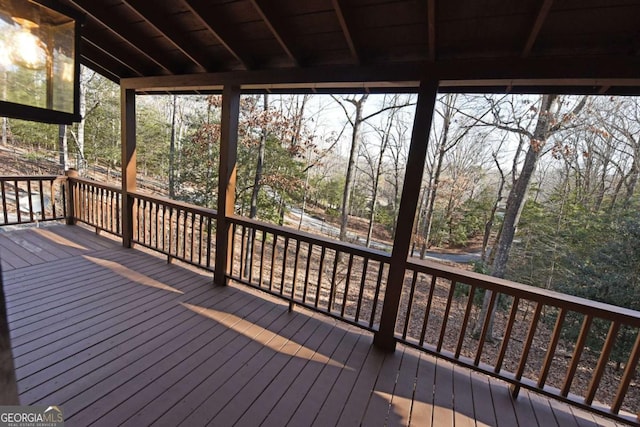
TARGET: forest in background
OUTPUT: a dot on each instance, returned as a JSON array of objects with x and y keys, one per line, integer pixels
[{"x": 546, "y": 185}]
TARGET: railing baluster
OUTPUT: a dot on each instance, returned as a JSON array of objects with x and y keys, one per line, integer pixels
[
  {"x": 209, "y": 242},
  {"x": 627, "y": 376},
  {"x": 465, "y": 320},
  {"x": 101, "y": 208},
  {"x": 118, "y": 201},
  {"x": 262, "y": 245},
  {"x": 193, "y": 222},
  {"x": 242, "y": 250},
  {"x": 42, "y": 205},
  {"x": 551, "y": 351},
  {"x": 52, "y": 188},
  {"x": 155, "y": 224},
  {"x": 63, "y": 193},
  {"x": 185, "y": 233},
  {"x": 232, "y": 254},
  {"x": 445, "y": 317},
  {"x": 515, "y": 389},
  {"x": 377, "y": 294},
  {"x": 17, "y": 201},
  {"x": 577, "y": 353},
  {"x": 201, "y": 240},
  {"x": 4, "y": 204},
  {"x": 414, "y": 281},
  {"x": 485, "y": 327},
  {"x": 30, "y": 200},
  {"x": 507, "y": 333},
  {"x": 602, "y": 362},
  {"x": 332, "y": 291},
  {"x": 284, "y": 265},
  {"x": 347, "y": 281},
  {"x": 142, "y": 224},
  {"x": 170, "y": 242},
  {"x": 320, "y": 270},
  {"x": 295, "y": 268},
  {"x": 427, "y": 310},
  {"x": 273, "y": 260},
  {"x": 363, "y": 282},
  {"x": 306, "y": 272}
]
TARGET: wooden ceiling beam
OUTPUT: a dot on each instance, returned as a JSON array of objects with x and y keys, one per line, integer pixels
[
  {"x": 473, "y": 75},
  {"x": 431, "y": 29},
  {"x": 96, "y": 66},
  {"x": 537, "y": 26},
  {"x": 95, "y": 11},
  {"x": 220, "y": 30},
  {"x": 87, "y": 42},
  {"x": 149, "y": 13},
  {"x": 338, "y": 6},
  {"x": 268, "y": 15}
]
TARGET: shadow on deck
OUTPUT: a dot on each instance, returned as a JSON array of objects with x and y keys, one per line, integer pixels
[{"x": 118, "y": 336}]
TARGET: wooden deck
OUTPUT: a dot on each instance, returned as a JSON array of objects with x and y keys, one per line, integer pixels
[{"x": 118, "y": 336}]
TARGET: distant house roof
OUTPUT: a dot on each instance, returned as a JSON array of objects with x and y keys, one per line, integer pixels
[{"x": 580, "y": 46}]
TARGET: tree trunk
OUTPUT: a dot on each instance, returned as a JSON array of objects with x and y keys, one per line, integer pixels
[
  {"x": 515, "y": 203},
  {"x": 492, "y": 216},
  {"x": 374, "y": 200},
  {"x": 257, "y": 179},
  {"x": 80, "y": 162},
  {"x": 63, "y": 147},
  {"x": 172, "y": 152},
  {"x": 433, "y": 192},
  {"x": 351, "y": 166}
]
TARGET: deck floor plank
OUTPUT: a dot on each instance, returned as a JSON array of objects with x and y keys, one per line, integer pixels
[
  {"x": 524, "y": 410},
  {"x": 119, "y": 337},
  {"x": 363, "y": 389},
  {"x": 462, "y": 399},
  {"x": 482, "y": 401},
  {"x": 542, "y": 410},
  {"x": 377, "y": 409},
  {"x": 273, "y": 342},
  {"x": 161, "y": 368},
  {"x": 502, "y": 403},
  {"x": 315, "y": 395},
  {"x": 194, "y": 389},
  {"x": 327, "y": 355},
  {"x": 332, "y": 406},
  {"x": 443, "y": 414},
  {"x": 403, "y": 393}
]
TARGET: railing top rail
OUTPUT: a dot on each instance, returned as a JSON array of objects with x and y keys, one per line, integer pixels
[
  {"x": 96, "y": 184},
  {"x": 369, "y": 253},
  {"x": 545, "y": 296},
  {"x": 31, "y": 178},
  {"x": 175, "y": 203}
]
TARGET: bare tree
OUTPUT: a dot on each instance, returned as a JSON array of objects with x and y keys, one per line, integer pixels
[
  {"x": 550, "y": 119},
  {"x": 356, "y": 126}
]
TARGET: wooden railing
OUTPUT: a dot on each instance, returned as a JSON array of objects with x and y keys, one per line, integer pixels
[
  {"x": 342, "y": 280},
  {"x": 179, "y": 230},
  {"x": 29, "y": 199},
  {"x": 542, "y": 340},
  {"x": 97, "y": 205}
]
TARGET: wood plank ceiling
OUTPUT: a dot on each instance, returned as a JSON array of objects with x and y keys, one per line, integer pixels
[{"x": 466, "y": 40}]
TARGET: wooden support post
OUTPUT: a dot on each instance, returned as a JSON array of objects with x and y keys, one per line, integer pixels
[
  {"x": 71, "y": 202},
  {"x": 384, "y": 337},
  {"x": 128, "y": 138},
  {"x": 226, "y": 181}
]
